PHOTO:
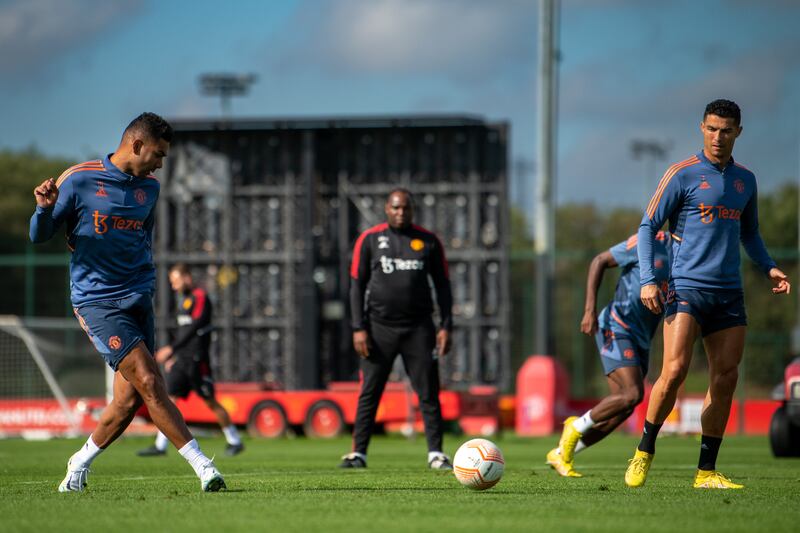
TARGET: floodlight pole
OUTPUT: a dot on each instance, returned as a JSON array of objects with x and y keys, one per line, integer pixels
[
  {"x": 651, "y": 151},
  {"x": 796, "y": 333},
  {"x": 226, "y": 86},
  {"x": 544, "y": 222}
]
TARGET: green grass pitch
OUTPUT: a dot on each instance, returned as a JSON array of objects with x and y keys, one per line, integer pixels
[{"x": 294, "y": 485}]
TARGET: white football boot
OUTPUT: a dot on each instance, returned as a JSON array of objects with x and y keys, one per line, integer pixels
[
  {"x": 76, "y": 478},
  {"x": 210, "y": 478}
]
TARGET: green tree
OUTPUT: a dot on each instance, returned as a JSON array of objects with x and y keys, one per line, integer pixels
[{"x": 20, "y": 172}]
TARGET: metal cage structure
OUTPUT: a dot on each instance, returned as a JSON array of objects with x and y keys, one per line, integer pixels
[{"x": 266, "y": 212}]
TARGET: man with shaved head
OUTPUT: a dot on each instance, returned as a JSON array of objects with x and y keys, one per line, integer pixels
[{"x": 391, "y": 305}]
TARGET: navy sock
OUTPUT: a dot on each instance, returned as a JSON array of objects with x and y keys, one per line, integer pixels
[
  {"x": 709, "y": 448},
  {"x": 648, "y": 442}
]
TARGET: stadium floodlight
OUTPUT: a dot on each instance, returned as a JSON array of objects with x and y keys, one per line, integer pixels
[
  {"x": 226, "y": 86},
  {"x": 650, "y": 151}
]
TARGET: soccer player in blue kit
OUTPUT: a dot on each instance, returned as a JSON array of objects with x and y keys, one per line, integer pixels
[
  {"x": 711, "y": 204},
  {"x": 623, "y": 334},
  {"x": 108, "y": 208}
]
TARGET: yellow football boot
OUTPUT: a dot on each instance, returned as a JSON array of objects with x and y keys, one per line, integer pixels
[
  {"x": 636, "y": 474},
  {"x": 569, "y": 439},
  {"x": 711, "y": 479},
  {"x": 563, "y": 468}
]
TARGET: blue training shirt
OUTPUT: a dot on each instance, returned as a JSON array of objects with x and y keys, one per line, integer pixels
[
  {"x": 109, "y": 219},
  {"x": 626, "y": 314},
  {"x": 710, "y": 210}
]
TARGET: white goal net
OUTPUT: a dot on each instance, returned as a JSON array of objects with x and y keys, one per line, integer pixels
[{"x": 52, "y": 382}]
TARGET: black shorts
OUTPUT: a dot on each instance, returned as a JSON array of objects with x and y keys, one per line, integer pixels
[
  {"x": 714, "y": 310},
  {"x": 183, "y": 378},
  {"x": 116, "y": 326}
]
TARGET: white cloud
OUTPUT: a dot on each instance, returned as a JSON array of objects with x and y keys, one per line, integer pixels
[
  {"x": 34, "y": 33},
  {"x": 462, "y": 39}
]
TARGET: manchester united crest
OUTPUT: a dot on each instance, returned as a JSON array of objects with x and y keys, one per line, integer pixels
[
  {"x": 417, "y": 245},
  {"x": 140, "y": 195},
  {"x": 114, "y": 343}
]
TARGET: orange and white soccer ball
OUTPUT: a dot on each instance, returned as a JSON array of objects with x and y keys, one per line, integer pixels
[{"x": 478, "y": 464}]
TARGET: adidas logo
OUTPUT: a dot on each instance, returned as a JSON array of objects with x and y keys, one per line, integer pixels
[{"x": 704, "y": 185}]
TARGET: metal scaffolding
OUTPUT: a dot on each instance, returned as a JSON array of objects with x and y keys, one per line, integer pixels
[{"x": 266, "y": 213}]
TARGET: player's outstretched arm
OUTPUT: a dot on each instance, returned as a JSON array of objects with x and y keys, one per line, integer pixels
[{"x": 781, "y": 282}]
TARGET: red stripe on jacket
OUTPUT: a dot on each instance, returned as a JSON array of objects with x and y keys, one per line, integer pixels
[
  {"x": 199, "y": 303},
  {"x": 359, "y": 244}
]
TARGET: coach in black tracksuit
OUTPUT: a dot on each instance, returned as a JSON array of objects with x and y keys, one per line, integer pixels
[{"x": 391, "y": 305}]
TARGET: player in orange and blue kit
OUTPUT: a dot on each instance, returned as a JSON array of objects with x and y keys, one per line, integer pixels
[
  {"x": 108, "y": 209},
  {"x": 711, "y": 204},
  {"x": 623, "y": 333}
]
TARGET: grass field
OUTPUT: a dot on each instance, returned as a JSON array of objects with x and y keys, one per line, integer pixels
[{"x": 294, "y": 485}]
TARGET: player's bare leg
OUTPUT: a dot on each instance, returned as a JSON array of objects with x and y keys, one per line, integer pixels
[
  {"x": 116, "y": 416},
  {"x": 235, "y": 445},
  {"x": 140, "y": 369},
  {"x": 223, "y": 418},
  {"x": 627, "y": 390},
  {"x": 680, "y": 332},
  {"x": 724, "y": 349},
  {"x": 626, "y": 386}
]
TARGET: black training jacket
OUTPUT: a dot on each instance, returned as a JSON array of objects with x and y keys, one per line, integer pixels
[
  {"x": 389, "y": 277},
  {"x": 193, "y": 336}
]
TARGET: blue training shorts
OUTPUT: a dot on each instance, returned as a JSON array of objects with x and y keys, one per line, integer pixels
[
  {"x": 116, "y": 326},
  {"x": 618, "y": 350},
  {"x": 714, "y": 310}
]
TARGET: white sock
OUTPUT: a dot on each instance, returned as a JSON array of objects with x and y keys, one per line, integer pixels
[
  {"x": 359, "y": 454},
  {"x": 578, "y": 448},
  {"x": 191, "y": 452},
  {"x": 161, "y": 441},
  {"x": 584, "y": 423},
  {"x": 434, "y": 455},
  {"x": 231, "y": 435},
  {"x": 87, "y": 453}
]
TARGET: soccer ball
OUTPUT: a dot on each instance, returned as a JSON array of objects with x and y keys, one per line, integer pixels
[{"x": 478, "y": 464}]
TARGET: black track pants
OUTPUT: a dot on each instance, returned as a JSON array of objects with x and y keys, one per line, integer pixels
[{"x": 415, "y": 344}]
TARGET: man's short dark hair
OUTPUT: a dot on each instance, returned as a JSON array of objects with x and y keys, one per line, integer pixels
[
  {"x": 724, "y": 109},
  {"x": 150, "y": 125}
]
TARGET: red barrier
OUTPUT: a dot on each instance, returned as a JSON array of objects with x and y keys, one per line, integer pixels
[{"x": 542, "y": 393}]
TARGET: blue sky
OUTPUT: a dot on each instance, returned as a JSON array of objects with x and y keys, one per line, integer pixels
[{"x": 74, "y": 72}]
